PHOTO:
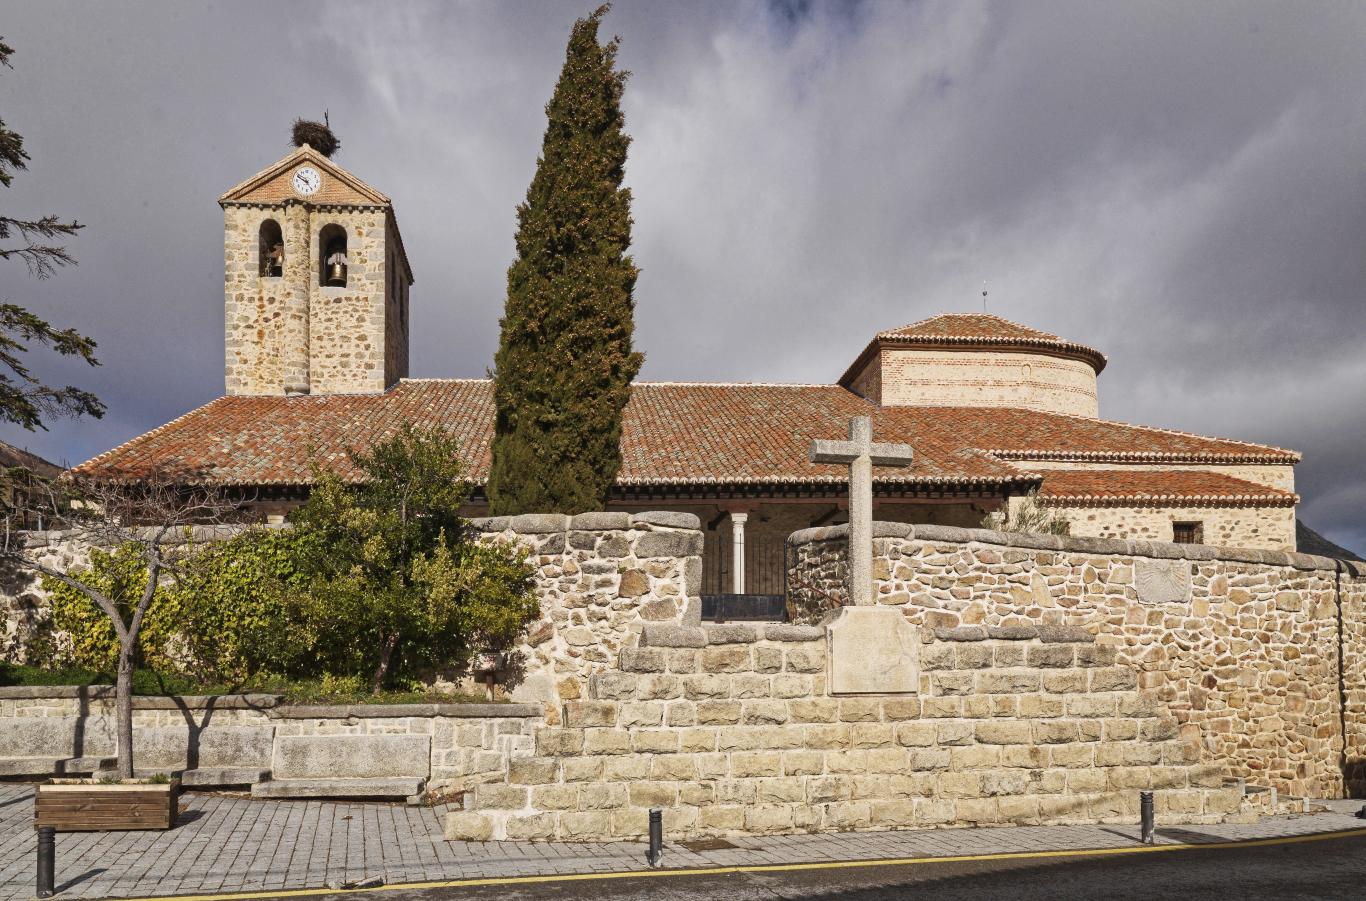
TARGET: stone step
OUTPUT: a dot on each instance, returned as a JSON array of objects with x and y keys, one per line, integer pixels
[
  {"x": 53, "y": 766},
  {"x": 200, "y": 777},
  {"x": 395, "y": 787},
  {"x": 205, "y": 777}
]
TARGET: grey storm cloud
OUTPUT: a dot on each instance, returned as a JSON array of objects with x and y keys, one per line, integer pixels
[{"x": 1180, "y": 185}]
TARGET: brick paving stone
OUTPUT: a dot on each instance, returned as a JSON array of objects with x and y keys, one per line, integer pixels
[{"x": 229, "y": 843}]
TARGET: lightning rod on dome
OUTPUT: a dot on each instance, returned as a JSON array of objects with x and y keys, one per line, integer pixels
[{"x": 984, "y": 295}]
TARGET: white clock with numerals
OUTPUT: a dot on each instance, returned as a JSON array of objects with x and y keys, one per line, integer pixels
[{"x": 307, "y": 181}]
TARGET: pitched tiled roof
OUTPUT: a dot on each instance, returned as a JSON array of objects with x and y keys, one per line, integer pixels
[
  {"x": 975, "y": 331},
  {"x": 1011, "y": 433},
  {"x": 1163, "y": 488},
  {"x": 968, "y": 326},
  {"x": 673, "y": 434}
]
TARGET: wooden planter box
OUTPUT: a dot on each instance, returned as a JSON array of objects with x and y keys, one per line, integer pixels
[{"x": 84, "y": 805}]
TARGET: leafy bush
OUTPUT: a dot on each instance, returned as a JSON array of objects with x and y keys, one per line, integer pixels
[
  {"x": 1030, "y": 515},
  {"x": 375, "y": 584},
  {"x": 234, "y": 598},
  {"x": 121, "y": 576},
  {"x": 395, "y": 583}
]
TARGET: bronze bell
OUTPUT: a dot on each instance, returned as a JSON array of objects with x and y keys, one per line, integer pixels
[{"x": 336, "y": 274}]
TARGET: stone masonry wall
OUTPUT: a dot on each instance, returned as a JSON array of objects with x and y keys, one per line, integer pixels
[
  {"x": 291, "y": 332},
  {"x": 1352, "y": 616},
  {"x": 730, "y": 729},
  {"x": 1035, "y": 381},
  {"x": 466, "y": 743},
  {"x": 1241, "y": 646},
  {"x": 600, "y": 578},
  {"x": 1266, "y": 528}
]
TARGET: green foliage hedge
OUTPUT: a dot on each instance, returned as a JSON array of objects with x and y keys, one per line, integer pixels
[{"x": 376, "y": 584}]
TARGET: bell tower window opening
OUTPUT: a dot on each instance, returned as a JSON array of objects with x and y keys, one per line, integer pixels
[
  {"x": 271, "y": 250},
  {"x": 333, "y": 263}
]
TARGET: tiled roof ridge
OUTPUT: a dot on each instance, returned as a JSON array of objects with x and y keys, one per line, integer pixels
[
  {"x": 1037, "y": 333},
  {"x": 445, "y": 379},
  {"x": 671, "y": 383},
  {"x": 1279, "y": 499},
  {"x": 1091, "y": 487},
  {"x": 1095, "y": 358},
  {"x": 1278, "y": 454},
  {"x": 146, "y": 436},
  {"x": 829, "y": 480}
]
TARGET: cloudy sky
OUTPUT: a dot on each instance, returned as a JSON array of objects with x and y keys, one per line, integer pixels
[{"x": 1180, "y": 185}]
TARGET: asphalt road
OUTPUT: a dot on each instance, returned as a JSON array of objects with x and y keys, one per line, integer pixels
[{"x": 1333, "y": 868}]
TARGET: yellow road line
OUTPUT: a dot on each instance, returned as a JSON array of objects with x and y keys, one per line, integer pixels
[{"x": 757, "y": 868}]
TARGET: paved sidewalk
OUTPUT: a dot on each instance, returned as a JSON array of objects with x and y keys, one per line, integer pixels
[{"x": 228, "y": 844}]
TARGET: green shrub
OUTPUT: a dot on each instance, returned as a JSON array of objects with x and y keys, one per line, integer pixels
[
  {"x": 395, "y": 583},
  {"x": 1030, "y": 515},
  {"x": 121, "y": 576},
  {"x": 234, "y": 598}
]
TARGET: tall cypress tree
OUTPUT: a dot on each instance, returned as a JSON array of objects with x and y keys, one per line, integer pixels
[{"x": 564, "y": 365}]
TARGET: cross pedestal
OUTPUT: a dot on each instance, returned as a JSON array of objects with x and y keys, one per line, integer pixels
[
  {"x": 872, "y": 650},
  {"x": 862, "y": 453}
]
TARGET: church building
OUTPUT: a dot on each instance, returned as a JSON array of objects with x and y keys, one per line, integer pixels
[{"x": 316, "y": 303}]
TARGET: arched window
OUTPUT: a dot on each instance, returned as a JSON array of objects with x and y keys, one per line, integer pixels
[
  {"x": 270, "y": 250},
  {"x": 333, "y": 260}
]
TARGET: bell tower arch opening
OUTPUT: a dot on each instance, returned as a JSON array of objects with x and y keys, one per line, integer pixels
[
  {"x": 270, "y": 249},
  {"x": 333, "y": 261}
]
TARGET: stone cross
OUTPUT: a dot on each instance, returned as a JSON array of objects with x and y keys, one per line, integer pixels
[{"x": 862, "y": 454}]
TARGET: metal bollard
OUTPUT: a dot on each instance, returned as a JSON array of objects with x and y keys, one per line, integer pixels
[
  {"x": 1145, "y": 806},
  {"x": 656, "y": 852},
  {"x": 47, "y": 861}
]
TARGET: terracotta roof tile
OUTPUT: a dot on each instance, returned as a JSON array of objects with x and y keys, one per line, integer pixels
[
  {"x": 976, "y": 331},
  {"x": 673, "y": 434},
  {"x": 967, "y": 325},
  {"x": 1138, "y": 488}
]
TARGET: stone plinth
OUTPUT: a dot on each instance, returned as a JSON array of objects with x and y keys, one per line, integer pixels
[{"x": 872, "y": 651}]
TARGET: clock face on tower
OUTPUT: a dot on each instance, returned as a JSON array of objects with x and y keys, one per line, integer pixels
[{"x": 307, "y": 181}]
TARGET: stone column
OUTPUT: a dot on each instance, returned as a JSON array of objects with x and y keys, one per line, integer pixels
[
  {"x": 737, "y": 548},
  {"x": 295, "y": 294}
]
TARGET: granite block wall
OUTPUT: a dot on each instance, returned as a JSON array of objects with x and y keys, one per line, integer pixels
[
  {"x": 730, "y": 729},
  {"x": 1242, "y": 646}
]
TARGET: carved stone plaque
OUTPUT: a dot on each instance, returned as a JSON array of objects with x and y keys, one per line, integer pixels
[
  {"x": 1162, "y": 581},
  {"x": 873, "y": 650}
]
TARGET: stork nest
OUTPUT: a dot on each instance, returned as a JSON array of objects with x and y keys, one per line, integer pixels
[{"x": 316, "y": 135}]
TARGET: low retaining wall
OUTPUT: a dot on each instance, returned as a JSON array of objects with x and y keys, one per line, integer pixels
[
  {"x": 1253, "y": 652},
  {"x": 1052, "y": 680},
  {"x": 246, "y": 739},
  {"x": 731, "y": 731}
]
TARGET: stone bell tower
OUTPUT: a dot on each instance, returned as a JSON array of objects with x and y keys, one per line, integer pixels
[{"x": 315, "y": 282}]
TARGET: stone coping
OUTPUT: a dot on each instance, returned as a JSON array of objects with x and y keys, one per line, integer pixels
[
  {"x": 246, "y": 701},
  {"x": 273, "y": 704},
  {"x": 197, "y": 534},
  {"x": 1102, "y": 546},
  {"x": 544, "y": 523},
  {"x": 38, "y": 692},
  {"x": 672, "y": 635},
  {"x": 1046, "y": 633},
  {"x": 379, "y": 711}
]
